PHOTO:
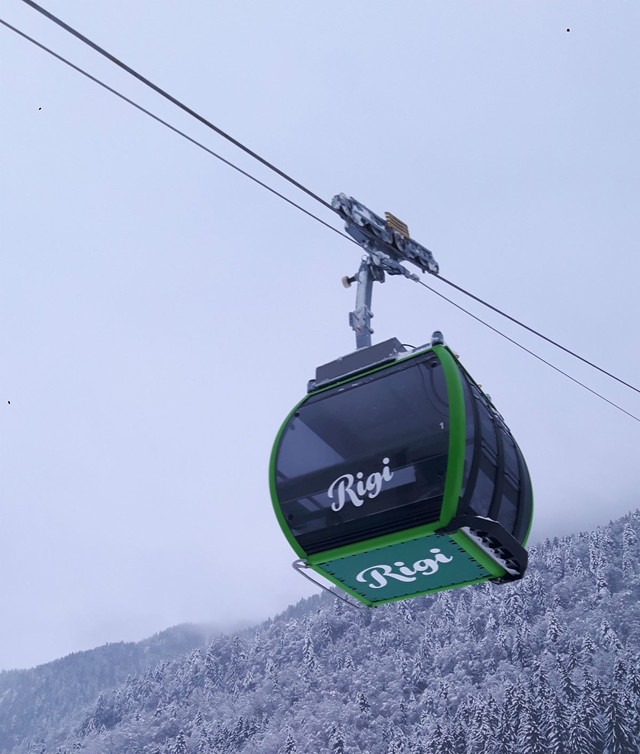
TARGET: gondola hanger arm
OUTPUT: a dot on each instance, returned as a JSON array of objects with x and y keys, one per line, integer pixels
[
  {"x": 387, "y": 244},
  {"x": 301, "y": 567}
]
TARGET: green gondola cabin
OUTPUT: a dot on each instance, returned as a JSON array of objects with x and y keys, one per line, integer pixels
[{"x": 396, "y": 476}]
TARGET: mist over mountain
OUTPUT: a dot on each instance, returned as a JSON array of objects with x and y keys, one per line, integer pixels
[
  {"x": 35, "y": 700},
  {"x": 550, "y": 664}
]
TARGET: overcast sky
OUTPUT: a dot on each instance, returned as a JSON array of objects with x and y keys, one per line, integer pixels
[{"x": 160, "y": 314}]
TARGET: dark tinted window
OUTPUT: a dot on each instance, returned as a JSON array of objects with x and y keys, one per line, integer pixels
[
  {"x": 510, "y": 459},
  {"x": 483, "y": 491},
  {"x": 508, "y": 506},
  {"x": 498, "y": 486},
  {"x": 367, "y": 457},
  {"x": 487, "y": 431}
]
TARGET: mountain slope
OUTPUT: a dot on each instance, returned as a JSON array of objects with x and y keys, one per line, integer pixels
[
  {"x": 550, "y": 664},
  {"x": 35, "y": 701}
]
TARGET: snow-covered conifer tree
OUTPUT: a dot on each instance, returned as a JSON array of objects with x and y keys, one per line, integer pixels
[
  {"x": 336, "y": 740},
  {"x": 290, "y": 746},
  {"x": 619, "y": 737},
  {"x": 555, "y": 725},
  {"x": 180, "y": 744},
  {"x": 578, "y": 739},
  {"x": 362, "y": 702}
]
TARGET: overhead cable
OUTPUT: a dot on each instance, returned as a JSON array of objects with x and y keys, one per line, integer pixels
[
  {"x": 172, "y": 128},
  {"x": 175, "y": 101},
  {"x": 531, "y": 353},
  {"x": 539, "y": 334},
  {"x": 295, "y": 183}
]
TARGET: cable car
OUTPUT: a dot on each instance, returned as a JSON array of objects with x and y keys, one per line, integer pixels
[{"x": 396, "y": 476}]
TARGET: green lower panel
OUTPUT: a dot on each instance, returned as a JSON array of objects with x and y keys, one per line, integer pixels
[{"x": 407, "y": 569}]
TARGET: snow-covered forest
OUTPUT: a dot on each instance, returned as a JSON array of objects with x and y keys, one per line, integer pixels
[{"x": 550, "y": 664}]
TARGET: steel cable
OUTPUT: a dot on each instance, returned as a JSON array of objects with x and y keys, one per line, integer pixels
[
  {"x": 172, "y": 128},
  {"x": 174, "y": 100},
  {"x": 298, "y": 185},
  {"x": 538, "y": 334},
  {"x": 524, "y": 348}
]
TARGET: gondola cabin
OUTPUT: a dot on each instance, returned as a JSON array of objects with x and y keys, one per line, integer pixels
[{"x": 396, "y": 476}]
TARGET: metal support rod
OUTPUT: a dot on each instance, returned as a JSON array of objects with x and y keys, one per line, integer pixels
[
  {"x": 300, "y": 566},
  {"x": 360, "y": 318}
]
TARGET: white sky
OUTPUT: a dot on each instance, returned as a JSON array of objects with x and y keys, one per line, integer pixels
[{"x": 160, "y": 315}]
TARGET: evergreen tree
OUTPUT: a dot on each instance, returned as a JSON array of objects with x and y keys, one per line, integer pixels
[
  {"x": 589, "y": 708},
  {"x": 555, "y": 727},
  {"x": 629, "y": 549},
  {"x": 572, "y": 657},
  {"x": 506, "y": 736},
  {"x": 326, "y": 631},
  {"x": 530, "y": 739},
  {"x": 445, "y": 745},
  {"x": 362, "y": 702},
  {"x": 633, "y": 678},
  {"x": 180, "y": 745},
  {"x": 405, "y": 612},
  {"x": 602, "y": 588},
  {"x": 596, "y": 556},
  {"x": 336, "y": 740},
  {"x": 609, "y": 636},
  {"x": 309, "y": 655},
  {"x": 618, "y": 735},
  {"x": 447, "y": 609},
  {"x": 553, "y": 627},
  {"x": 619, "y": 672},
  {"x": 483, "y": 728},
  {"x": 271, "y": 672},
  {"x": 348, "y": 663},
  {"x": 204, "y": 743},
  {"x": 514, "y": 703},
  {"x": 290, "y": 746},
  {"x": 567, "y": 684},
  {"x": 536, "y": 594},
  {"x": 578, "y": 740},
  {"x": 211, "y": 666}
]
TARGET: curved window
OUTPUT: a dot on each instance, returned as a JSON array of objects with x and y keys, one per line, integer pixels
[
  {"x": 366, "y": 457},
  {"x": 510, "y": 460},
  {"x": 508, "y": 506},
  {"x": 484, "y": 490}
]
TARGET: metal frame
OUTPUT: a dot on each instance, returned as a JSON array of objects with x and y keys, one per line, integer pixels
[{"x": 386, "y": 245}]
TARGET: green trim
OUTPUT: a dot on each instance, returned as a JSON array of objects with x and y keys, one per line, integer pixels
[
  {"x": 526, "y": 536},
  {"x": 375, "y": 543},
  {"x": 478, "y": 554},
  {"x": 481, "y": 580},
  {"x": 272, "y": 485},
  {"x": 528, "y": 532},
  {"x": 457, "y": 435}
]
